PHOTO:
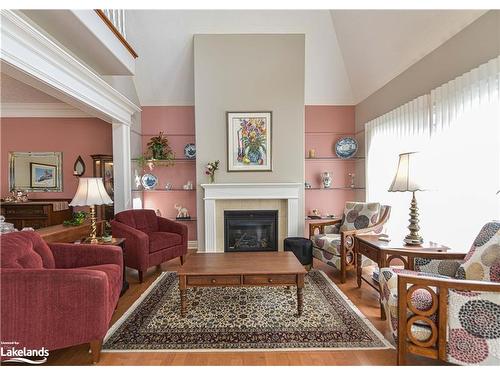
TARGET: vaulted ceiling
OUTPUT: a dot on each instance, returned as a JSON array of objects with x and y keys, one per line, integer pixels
[{"x": 349, "y": 53}]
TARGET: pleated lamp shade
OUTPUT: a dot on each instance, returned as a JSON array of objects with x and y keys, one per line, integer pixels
[
  {"x": 90, "y": 192},
  {"x": 407, "y": 176}
]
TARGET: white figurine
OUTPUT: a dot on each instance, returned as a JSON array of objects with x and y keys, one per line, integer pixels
[{"x": 182, "y": 212}]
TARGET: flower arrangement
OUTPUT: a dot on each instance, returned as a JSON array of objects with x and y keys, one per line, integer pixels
[
  {"x": 210, "y": 170},
  {"x": 252, "y": 147}
]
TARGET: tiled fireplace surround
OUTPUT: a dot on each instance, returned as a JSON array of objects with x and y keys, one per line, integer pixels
[{"x": 284, "y": 197}]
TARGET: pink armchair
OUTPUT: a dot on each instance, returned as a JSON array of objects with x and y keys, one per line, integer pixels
[
  {"x": 151, "y": 240},
  {"x": 58, "y": 295}
]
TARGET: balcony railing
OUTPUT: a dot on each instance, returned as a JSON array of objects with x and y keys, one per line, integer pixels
[{"x": 115, "y": 20}]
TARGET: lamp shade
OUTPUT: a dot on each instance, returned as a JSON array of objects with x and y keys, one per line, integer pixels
[
  {"x": 407, "y": 175},
  {"x": 90, "y": 192}
]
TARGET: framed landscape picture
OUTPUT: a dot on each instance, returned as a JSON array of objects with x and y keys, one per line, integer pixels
[
  {"x": 249, "y": 141},
  {"x": 43, "y": 175}
]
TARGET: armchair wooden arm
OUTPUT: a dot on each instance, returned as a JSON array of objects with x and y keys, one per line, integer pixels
[
  {"x": 321, "y": 226},
  {"x": 435, "y": 346}
]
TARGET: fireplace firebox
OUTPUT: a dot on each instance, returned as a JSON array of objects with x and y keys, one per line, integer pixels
[{"x": 250, "y": 230}]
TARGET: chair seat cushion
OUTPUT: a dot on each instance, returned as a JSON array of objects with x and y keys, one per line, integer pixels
[
  {"x": 162, "y": 240},
  {"x": 327, "y": 242}
]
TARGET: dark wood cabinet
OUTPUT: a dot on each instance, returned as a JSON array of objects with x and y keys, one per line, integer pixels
[
  {"x": 103, "y": 167},
  {"x": 34, "y": 214}
]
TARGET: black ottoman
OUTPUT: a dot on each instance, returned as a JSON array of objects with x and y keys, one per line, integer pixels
[{"x": 302, "y": 248}]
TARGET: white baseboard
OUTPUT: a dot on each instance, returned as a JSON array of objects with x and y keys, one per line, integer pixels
[{"x": 192, "y": 244}]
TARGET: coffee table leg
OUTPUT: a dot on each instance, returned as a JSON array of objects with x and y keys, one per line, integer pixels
[
  {"x": 183, "y": 302},
  {"x": 183, "y": 293},
  {"x": 300, "y": 294},
  {"x": 300, "y": 301}
]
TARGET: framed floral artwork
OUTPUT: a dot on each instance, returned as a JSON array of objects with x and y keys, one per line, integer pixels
[{"x": 249, "y": 141}]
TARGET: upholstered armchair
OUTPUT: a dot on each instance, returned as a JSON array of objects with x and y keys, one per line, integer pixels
[
  {"x": 57, "y": 295},
  {"x": 448, "y": 307},
  {"x": 333, "y": 241},
  {"x": 150, "y": 239}
]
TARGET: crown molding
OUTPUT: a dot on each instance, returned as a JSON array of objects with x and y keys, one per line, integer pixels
[
  {"x": 41, "y": 110},
  {"x": 30, "y": 54}
]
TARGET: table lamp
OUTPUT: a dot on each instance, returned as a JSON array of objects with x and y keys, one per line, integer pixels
[
  {"x": 406, "y": 180},
  {"x": 91, "y": 192}
]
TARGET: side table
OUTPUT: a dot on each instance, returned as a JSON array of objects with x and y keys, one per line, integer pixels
[
  {"x": 115, "y": 242},
  {"x": 384, "y": 252}
]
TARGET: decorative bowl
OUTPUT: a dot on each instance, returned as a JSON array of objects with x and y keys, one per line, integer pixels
[
  {"x": 190, "y": 151},
  {"x": 149, "y": 181},
  {"x": 346, "y": 147}
]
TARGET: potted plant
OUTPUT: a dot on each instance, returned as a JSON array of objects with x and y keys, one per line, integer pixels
[{"x": 159, "y": 148}]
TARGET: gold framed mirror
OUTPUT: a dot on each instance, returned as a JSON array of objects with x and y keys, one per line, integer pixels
[{"x": 35, "y": 171}]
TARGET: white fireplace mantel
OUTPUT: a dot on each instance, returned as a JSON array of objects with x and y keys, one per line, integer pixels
[{"x": 289, "y": 191}]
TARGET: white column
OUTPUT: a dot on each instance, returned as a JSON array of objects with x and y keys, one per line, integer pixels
[{"x": 121, "y": 167}]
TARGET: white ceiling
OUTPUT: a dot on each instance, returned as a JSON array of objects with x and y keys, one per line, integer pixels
[
  {"x": 378, "y": 45},
  {"x": 349, "y": 53}
]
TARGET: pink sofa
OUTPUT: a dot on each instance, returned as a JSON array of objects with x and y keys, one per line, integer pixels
[
  {"x": 150, "y": 239},
  {"x": 57, "y": 295}
]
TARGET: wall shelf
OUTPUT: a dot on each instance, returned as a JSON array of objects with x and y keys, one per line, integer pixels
[
  {"x": 162, "y": 190},
  {"x": 334, "y": 158},
  {"x": 337, "y": 188}
]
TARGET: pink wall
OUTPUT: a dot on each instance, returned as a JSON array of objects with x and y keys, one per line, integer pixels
[
  {"x": 71, "y": 136},
  {"x": 177, "y": 122},
  {"x": 324, "y": 125}
]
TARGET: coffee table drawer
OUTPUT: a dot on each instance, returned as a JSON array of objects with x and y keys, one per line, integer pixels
[
  {"x": 213, "y": 280},
  {"x": 269, "y": 279}
]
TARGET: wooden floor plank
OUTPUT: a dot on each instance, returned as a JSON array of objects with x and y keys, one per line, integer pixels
[{"x": 365, "y": 298}]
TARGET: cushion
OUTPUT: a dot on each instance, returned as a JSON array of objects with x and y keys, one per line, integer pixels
[
  {"x": 163, "y": 240},
  {"x": 144, "y": 220},
  {"x": 482, "y": 262},
  {"x": 359, "y": 215},
  {"x": 327, "y": 242},
  {"x": 25, "y": 250}
]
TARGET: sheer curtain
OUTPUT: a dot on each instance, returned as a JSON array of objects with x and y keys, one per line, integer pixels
[
  {"x": 404, "y": 129},
  {"x": 457, "y": 130}
]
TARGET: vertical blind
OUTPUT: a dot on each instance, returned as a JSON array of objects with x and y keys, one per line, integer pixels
[{"x": 456, "y": 129}]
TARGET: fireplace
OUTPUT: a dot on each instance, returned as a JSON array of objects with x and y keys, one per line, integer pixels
[{"x": 250, "y": 230}]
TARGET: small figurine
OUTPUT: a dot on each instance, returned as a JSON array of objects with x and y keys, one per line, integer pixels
[
  {"x": 188, "y": 186},
  {"x": 307, "y": 185},
  {"x": 182, "y": 212},
  {"x": 158, "y": 212},
  {"x": 315, "y": 212},
  {"x": 351, "y": 175},
  {"x": 326, "y": 179},
  {"x": 168, "y": 186}
]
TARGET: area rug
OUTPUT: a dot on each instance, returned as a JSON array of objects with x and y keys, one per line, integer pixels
[{"x": 241, "y": 319}]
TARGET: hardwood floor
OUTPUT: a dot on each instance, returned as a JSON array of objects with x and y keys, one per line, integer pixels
[{"x": 365, "y": 298}]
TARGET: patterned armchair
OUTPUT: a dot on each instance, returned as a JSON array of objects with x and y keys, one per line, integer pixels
[
  {"x": 448, "y": 309},
  {"x": 333, "y": 241}
]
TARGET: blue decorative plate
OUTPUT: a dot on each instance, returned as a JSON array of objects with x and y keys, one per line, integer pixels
[
  {"x": 346, "y": 147},
  {"x": 149, "y": 181},
  {"x": 190, "y": 151}
]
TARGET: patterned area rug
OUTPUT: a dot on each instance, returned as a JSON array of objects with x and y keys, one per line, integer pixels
[{"x": 252, "y": 318}]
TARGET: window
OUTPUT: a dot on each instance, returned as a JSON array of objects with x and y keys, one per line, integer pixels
[{"x": 457, "y": 130}]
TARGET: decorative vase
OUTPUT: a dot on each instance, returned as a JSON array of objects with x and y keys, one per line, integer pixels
[
  {"x": 254, "y": 155},
  {"x": 211, "y": 178},
  {"x": 326, "y": 179}
]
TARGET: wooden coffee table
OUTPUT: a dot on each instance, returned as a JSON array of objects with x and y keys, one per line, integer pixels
[{"x": 278, "y": 268}]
